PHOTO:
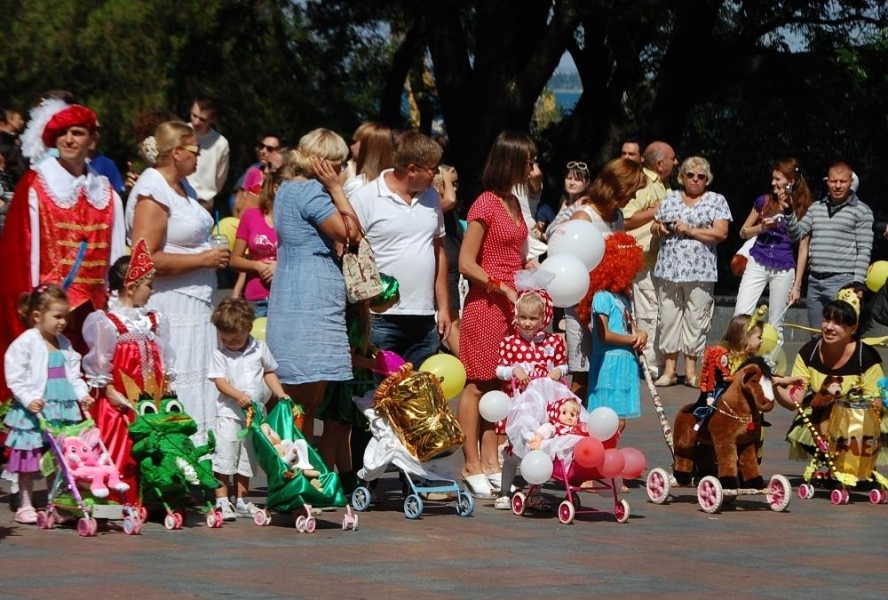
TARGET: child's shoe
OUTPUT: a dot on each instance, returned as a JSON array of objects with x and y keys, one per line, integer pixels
[
  {"x": 228, "y": 512},
  {"x": 503, "y": 503},
  {"x": 246, "y": 510},
  {"x": 26, "y": 515}
]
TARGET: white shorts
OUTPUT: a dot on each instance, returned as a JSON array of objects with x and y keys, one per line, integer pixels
[
  {"x": 231, "y": 455},
  {"x": 578, "y": 340}
]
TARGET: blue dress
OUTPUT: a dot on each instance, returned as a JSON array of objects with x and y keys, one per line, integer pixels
[
  {"x": 306, "y": 308},
  {"x": 61, "y": 408},
  {"x": 613, "y": 370}
]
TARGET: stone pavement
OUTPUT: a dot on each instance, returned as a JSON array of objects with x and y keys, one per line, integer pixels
[{"x": 674, "y": 550}]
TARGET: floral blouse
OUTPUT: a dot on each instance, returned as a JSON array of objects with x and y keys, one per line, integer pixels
[{"x": 682, "y": 259}]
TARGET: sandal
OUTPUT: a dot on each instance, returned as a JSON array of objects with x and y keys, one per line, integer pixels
[
  {"x": 495, "y": 480},
  {"x": 666, "y": 381},
  {"x": 478, "y": 486},
  {"x": 538, "y": 503},
  {"x": 26, "y": 515}
]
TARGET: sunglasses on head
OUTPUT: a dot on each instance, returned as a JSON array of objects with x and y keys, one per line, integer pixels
[{"x": 577, "y": 165}]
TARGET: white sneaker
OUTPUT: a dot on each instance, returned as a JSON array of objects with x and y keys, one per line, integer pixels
[
  {"x": 247, "y": 510},
  {"x": 228, "y": 512},
  {"x": 503, "y": 503}
]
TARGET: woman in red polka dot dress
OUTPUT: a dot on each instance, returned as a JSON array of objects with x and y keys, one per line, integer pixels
[{"x": 492, "y": 251}]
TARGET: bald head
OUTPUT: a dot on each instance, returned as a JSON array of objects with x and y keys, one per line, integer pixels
[{"x": 660, "y": 158}]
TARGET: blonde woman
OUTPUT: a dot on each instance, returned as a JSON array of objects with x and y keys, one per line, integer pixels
[{"x": 306, "y": 307}]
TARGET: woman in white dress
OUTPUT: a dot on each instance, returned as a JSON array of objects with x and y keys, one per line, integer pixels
[{"x": 164, "y": 211}]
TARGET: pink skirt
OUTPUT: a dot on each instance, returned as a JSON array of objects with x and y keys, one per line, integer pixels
[{"x": 24, "y": 461}]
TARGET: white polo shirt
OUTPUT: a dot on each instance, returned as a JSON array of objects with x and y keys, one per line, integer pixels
[
  {"x": 402, "y": 236},
  {"x": 244, "y": 370}
]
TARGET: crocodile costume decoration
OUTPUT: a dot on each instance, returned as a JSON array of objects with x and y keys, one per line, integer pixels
[{"x": 170, "y": 465}]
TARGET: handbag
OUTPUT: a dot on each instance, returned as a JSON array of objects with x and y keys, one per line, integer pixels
[
  {"x": 739, "y": 260},
  {"x": 362, "y": 281}
]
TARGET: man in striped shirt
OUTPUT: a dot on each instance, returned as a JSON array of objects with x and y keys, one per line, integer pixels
[{"x": 841, "y": 230}]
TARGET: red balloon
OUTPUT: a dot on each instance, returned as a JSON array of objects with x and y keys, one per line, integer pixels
[
  {"x": 612, "y": 441},
  {"x": 589, "y": 452},
  {"x": 634, "y": 463},
  {"x": 613, "y": 463}
]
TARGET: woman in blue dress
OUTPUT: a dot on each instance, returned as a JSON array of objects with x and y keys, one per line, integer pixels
[{"x": 306, "y": 308}]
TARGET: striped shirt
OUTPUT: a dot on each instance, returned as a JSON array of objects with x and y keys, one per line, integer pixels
[{"x": 841, "y": 236}]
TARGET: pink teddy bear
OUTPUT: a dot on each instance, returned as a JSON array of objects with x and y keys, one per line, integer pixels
[{"x": 86, "y": 465}]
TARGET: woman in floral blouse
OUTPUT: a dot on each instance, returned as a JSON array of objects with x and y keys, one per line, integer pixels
[{"x": 690, "y": 223}]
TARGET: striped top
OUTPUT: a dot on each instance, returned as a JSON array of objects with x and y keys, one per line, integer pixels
[{"x": 841, "y": 236}]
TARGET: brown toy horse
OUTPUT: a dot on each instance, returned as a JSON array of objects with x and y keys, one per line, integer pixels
[{"x": 732, "y": 431}]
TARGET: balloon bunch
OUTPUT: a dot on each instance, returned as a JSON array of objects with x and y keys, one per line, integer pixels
[
  {"x": 575, "y": 248},
  {"x": 597, "y": 454}
]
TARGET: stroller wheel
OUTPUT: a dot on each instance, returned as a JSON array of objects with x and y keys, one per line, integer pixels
[
  {"x": 836, "y": 496},
  {"x": 621, "y": 511},
  {"x": 83, "y": 527},
  {"x": 710, "y": 494},
  {"x": 361, "y": 498},
  {"x": 261, "y": 517},
  {"x": 180, "y": 519},
  {"x": 310, "y": 525},
  {"x": 806, "y": 491},
  {"x": 779, "y": 493},
  {"x": 519, "y": 503},
  {"x": 44, "y": 521},
  {"x": 169, "y": 522},
  {"x": 300, "y": 523},
  {"x": 465, "y": 505},
  {"x": 658, "y": 486},
  {"x": 412, "y": 506},
  {"x": 131, "y": 525},
  {"x": 566, "y": 512}
]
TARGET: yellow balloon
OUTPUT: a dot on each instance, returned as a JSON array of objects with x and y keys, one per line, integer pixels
[
  {"x": 228, "y": 228},
  {"x": 876, "y": 275},
  {"x": 769, "y": 339},
  {"x": 260, "y": 326},
  {"x": 449, "y": 370}
]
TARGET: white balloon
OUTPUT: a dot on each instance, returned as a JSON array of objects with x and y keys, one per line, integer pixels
[
  {"x": 603, "y": 423},
  {"x": 536, "y": 467},
  {"x": 578, "y": 238},
  {"x": 494, "y": 406},
  {"x": 571, "y": 280}
]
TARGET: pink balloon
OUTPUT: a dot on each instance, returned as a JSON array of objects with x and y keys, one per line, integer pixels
[
  {"x": 634, "y": 463},
  {"x": 613, "y": 463},
  {"x": 589, "y": 452}
]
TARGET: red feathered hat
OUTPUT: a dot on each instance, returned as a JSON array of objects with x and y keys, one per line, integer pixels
[
  {"x": 65, "y": 118},
  {"x": 141, "y": 266}
]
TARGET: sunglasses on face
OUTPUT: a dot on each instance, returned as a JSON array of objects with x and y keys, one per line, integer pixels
[
  {"x": 581, "y": 166},
  {"x": 195, "y": 150},
  {"x": 696, "y": 176},
  {"x": 268, "y": 148}
]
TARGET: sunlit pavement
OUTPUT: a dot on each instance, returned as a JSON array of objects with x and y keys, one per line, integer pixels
[{"x": 814, "y": 549}]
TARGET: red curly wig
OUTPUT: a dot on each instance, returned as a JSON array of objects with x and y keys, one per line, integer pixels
[{"x": 623, "y": 259}]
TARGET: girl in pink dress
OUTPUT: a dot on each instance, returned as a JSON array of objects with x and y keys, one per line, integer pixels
[{"x": 491, "y": 252}]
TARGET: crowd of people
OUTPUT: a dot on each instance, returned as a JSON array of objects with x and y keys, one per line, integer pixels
[{"x": 72, "y": 290}]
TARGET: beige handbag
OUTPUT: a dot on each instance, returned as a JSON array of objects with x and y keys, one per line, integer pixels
[{"x": 359, "y": 269}]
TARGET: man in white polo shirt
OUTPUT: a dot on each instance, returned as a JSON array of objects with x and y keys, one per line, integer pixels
[{"x": 401, "y": 215}]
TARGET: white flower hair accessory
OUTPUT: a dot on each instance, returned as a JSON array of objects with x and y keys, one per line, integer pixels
[{"x": 149, "y": 149}]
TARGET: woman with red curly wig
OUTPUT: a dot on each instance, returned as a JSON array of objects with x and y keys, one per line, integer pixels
[{"x": 607, "y": 311}]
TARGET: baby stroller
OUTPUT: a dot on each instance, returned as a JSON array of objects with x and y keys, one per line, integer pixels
[
  {"x": 172, "y": 470},
  {"x": 845, "y": 451},
  {"x": 298, "y": 479},
  {"x": 528, "y": 412},
  {"x": 79, "y": 457},
  {"x": 412, "y": 429}
]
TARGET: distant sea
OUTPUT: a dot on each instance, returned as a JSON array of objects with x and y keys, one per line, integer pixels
[{"x": 567, "y": 99}]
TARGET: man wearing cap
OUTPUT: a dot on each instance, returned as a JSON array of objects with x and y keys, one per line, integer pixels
[{"x": 65, "y": 224}]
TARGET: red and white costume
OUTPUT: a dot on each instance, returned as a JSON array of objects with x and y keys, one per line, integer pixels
[{"x": 52, "y": 216}]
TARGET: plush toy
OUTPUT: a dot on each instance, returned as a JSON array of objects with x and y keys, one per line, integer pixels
[
  {"x": 86, "y": 464},
  {"x": 732, "y": 431},
  {"x": 823, "y": 401},
  {"x": 293, "y": 453}
]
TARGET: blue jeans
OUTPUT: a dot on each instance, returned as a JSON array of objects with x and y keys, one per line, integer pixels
[
  {"x": 412, "y": 337},
  {"x": 260, "y": 306},
  {"x": 820, "y": 291}
]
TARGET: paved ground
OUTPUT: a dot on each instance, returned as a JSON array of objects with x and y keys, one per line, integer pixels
[{"x": 671, "y": 551}]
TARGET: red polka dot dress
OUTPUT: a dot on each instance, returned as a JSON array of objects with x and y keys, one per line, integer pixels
[{"x": 487, "y": 317}]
